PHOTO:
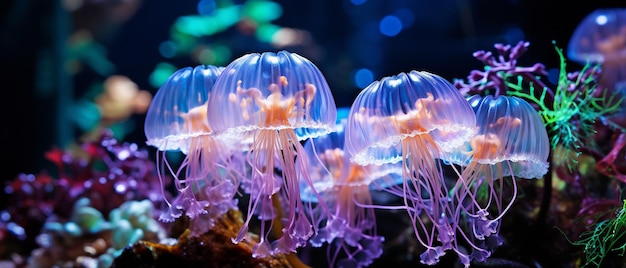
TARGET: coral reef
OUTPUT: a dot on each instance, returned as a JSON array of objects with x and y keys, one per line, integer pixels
[
  {"x": 211, "y": 249},
  {"x": 504, "y": 168},
  {"x": 97, "y": 177}
]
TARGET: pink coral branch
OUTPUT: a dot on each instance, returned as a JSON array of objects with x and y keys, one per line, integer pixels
[{"x": 607, "y": 165}]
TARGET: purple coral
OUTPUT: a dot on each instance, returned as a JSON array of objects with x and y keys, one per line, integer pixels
[{"x": 498, "y": 69}]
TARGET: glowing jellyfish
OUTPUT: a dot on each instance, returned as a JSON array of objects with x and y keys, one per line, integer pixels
[
  {"x": 345, "y": 187},
  {"x": 600, "y": 38},
  {"x": 270, "y": 102},
  {"x": 511, "y": 142},
  {"x": 176, "y": 121},
  {"x": 413, "y": 118}
]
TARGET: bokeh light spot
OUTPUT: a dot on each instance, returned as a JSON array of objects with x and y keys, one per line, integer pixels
[
  {"x": 206, "y": 56},
  {"x": 167, "y": 49},
  {"x": 358, "y": 2},
  {"x": 206, "y": 7},
  {"x": 601, "y": 20},
  {"x": 513, "y": 35},
  {"x": 262, "y": 11},
  {"x": 266, "y": 32},
  {"x": 406, "y": 16},
  {"x": 161, "y": 73},
  {"x": 363, "y": 77},
  {"x": 342, "y": 113},
  {"x": 390, "y": 25},
  {"x": 207, "y": 25},
  {"x": 222, "y": 55}
]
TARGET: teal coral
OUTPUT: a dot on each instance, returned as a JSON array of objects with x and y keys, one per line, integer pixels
[
  {"x": 131, "y": 222},
  {"x": 90, "y": 238}
]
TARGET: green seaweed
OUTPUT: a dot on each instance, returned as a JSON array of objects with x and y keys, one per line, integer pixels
[
  {"x": 607, "y": 236},
  {"x": 574, "y": 109}
]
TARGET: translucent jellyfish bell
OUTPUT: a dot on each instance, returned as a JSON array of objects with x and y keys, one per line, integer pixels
[
  {"x": 330, "y": 166},
  {"x": 600, "y": 38},
  {"x": 272, "y": 91},
  {"x": 512, "y": 134},
  {"x": 178, "y": 108},
  {"x": 406, "y": 105}
]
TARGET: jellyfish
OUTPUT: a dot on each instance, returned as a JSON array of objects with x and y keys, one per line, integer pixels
[
  {"x": 511, "y": 143},
  {"x": 176, "y": 121},
  {"x": 413, "y": 119},
  {"x": 351, "y": 233},
  {"x": 271, "y": 102},
  {"x": 600, "y": 38}
]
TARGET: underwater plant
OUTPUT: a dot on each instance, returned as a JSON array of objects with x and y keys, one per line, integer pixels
[
  {"x": 568, "y": 112},
  {"x": 575, "y": 107},
  {"x": 273, "y": 102},
  {"x": 606, "y": 236},
  {"x": 584, "y": 123}
]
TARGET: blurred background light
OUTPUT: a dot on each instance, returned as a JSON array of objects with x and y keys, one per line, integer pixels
[
  {"x": 161, "y": 72},
  {"x": 358, "y": 2},
  {"x": 206, "y": 7},
  {"x": 262, "y": 11},
  {"x": 167, "y": 49},
  {"x": 363, "y": 77},
  {"x": 390, "y": 25},
  {"x": 406, "y": 16}
]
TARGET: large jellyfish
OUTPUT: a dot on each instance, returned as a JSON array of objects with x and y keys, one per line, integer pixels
[
  {"x": 511, "y": 142},
  {"x": 176, "y": 121},
  {"x": 351, "y": 234},
  {"x": 600, "y": 38},
  {"x": 414, "y": 118},
  {"x": 271, "y": 102}
]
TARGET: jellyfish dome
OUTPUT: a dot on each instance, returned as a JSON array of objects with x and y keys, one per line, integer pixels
[
  {"x": 178, "y": 111},
  {"x": 599, "y": 37},
  {"x": 330, "y": 167},
  {"x": 510, "y": 133},
  {"x": 402, "y": 106},
  {"x": 272, "y": 91}
]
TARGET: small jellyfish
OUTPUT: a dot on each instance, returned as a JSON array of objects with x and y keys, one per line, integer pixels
[
  {"x": 414, "y": 118},
  {"x": 351, "y": 233},
  {"x": 176, "y": 121},
  {"x": 600, "y": 38},
  {"x": 511, "y": 142},
  {"x": 271, "y": 102}
]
